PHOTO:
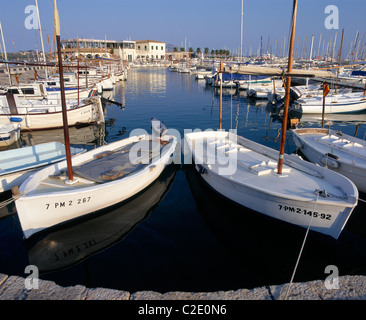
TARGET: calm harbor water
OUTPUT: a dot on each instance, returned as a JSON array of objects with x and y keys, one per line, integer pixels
[{"x": 179, "y": 234}]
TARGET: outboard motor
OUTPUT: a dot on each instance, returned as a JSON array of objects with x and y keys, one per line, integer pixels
[{"x": 295, "y": 109}]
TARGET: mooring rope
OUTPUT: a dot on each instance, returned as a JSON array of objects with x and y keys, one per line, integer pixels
[
  {"x": 302, "y": 247},
  {"x": 9, "y": 201}
]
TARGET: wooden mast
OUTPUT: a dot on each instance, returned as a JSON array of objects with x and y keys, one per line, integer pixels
[
  {"x": 63, "y": 100},
  {"x": 288, "y": 87}
]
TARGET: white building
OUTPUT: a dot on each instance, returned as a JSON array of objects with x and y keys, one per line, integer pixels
[
  {"x": 92, "y": 48},
  {"x": 150, "y": 50}
]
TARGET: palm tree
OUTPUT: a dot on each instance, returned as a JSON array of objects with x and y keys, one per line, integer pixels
[
  {"x": 198, "y": 50},
  {"x": 207, "y": 50}
]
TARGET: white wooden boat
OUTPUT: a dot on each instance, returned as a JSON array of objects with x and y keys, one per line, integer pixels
[
  {"x": 102, "y": 177},
  {"x": 246, "y": 172},
  {"x": 336, "y": 103},
  {"x": 337, "y": 151},
  {"x": 39, "y": 116},
  {"x": 43, "y": 89},
  {"x": 106, "y": 229},
  {"x": 17, "y": 165},
  {"x": 9, "y": 133}
]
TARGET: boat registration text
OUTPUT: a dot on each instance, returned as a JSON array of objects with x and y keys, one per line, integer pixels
[
  {"x": 314, "y": 214},
  {"x": 64, "y": 204}
]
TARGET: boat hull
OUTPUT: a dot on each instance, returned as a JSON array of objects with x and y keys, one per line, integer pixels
[
  {"x": 9, "y": 134},
  {"x": 309, "y": 141},
  {"x": 326, "y": 219},
  {"x": 18, "y": 164},
  {"x": 87, "y": 113},
  {"x": 37, "y": 212},
  {"x": 348, "y": 103}
]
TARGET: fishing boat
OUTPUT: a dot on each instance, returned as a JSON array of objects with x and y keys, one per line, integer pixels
[
  {"x": 9, "y": 133},
  {"x": 102, "y": 177},
  {"x": 246, "y": 172},
  {"x": 17, "y": 165},
  {"x": 105, "y": 230},
  {"x": 333, "y": 149},
  {"x": 334, "y": 103},
  {"x": 36, "y": 115}
]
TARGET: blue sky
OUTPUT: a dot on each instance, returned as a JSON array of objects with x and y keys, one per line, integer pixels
[{"x": 214, "y": 24}]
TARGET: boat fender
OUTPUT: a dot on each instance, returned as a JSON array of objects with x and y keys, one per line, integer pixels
[
  {"x": 16, "y": 119},
  {"x": 330, "y": 160},
  {"x": 201, "y": 170}
]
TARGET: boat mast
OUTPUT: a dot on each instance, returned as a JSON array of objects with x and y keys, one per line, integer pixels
[
  {"x": 63, "y": 100},
  {"x": 5, "y": 55},
  {"x": 40, "y": 33},
  {"x": 241, "y": 32},
  {"x": 288, "y": 87}
]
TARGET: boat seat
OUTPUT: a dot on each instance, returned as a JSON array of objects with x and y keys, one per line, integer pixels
[
  {"x": 348, "y": 146},
  {"x": 263, "y": 168}
]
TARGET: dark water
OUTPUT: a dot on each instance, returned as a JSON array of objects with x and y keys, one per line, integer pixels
[{"x": 179, "y": 234}]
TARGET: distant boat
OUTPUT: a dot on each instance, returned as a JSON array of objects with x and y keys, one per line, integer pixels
[
  {"x": 102, "y": 177},
  {"x": 9, "y": 133},
  {"x": 246, "y": 172},
  {"x": 17, "y": 165},
  {"x": 337, "y": 151},
  {"x": 336, "y": 103},
  {"x": 37, "y": 115}
]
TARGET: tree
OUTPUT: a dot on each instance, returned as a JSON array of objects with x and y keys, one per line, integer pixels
[
  {"x": 181, "y": 49},
  {"x": 198, "y": 50},
  {"x": 190, "y": 49},
  {"x": 207, "y": 50},
  {"x": 175, "y": 49}
]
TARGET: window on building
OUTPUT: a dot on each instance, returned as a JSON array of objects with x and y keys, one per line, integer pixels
[
  {"x": 156, "y": 47},
  {"x": 162, "y": 48},
  {"x": 152, "y": 47}
]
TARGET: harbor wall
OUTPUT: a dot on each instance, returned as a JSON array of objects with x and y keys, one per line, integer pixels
[{"x": 348, "y": 288}]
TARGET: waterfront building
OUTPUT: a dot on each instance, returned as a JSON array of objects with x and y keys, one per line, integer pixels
[
  {"x": 99, "y": 49},
  {"x": 150, "y": 50}
]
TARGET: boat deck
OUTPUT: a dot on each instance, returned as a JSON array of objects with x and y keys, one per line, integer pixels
[
  {"x": 259, "y": 171},
  {"x": 103, "y": 167},
  {"x": 348, "y": 149}
]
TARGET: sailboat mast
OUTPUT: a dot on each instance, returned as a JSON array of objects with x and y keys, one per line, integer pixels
[
  {"x": 241, "y": 31},
  {"x": 40, "y": 33},
  {"x": 63, "y": 100},
  {"x": 288, "y": 87},
  {"x": 5, "y": 55}
]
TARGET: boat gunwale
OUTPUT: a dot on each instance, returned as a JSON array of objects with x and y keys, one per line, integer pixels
[{"x": 62, "y": 165}]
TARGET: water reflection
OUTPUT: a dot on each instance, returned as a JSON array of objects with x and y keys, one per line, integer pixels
[
  {"x": 70, "y": 244},
  {"x": 143, "y": 81},
  {"x": 267, "y": 249},
  {"x": 85, "y": 135}
]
